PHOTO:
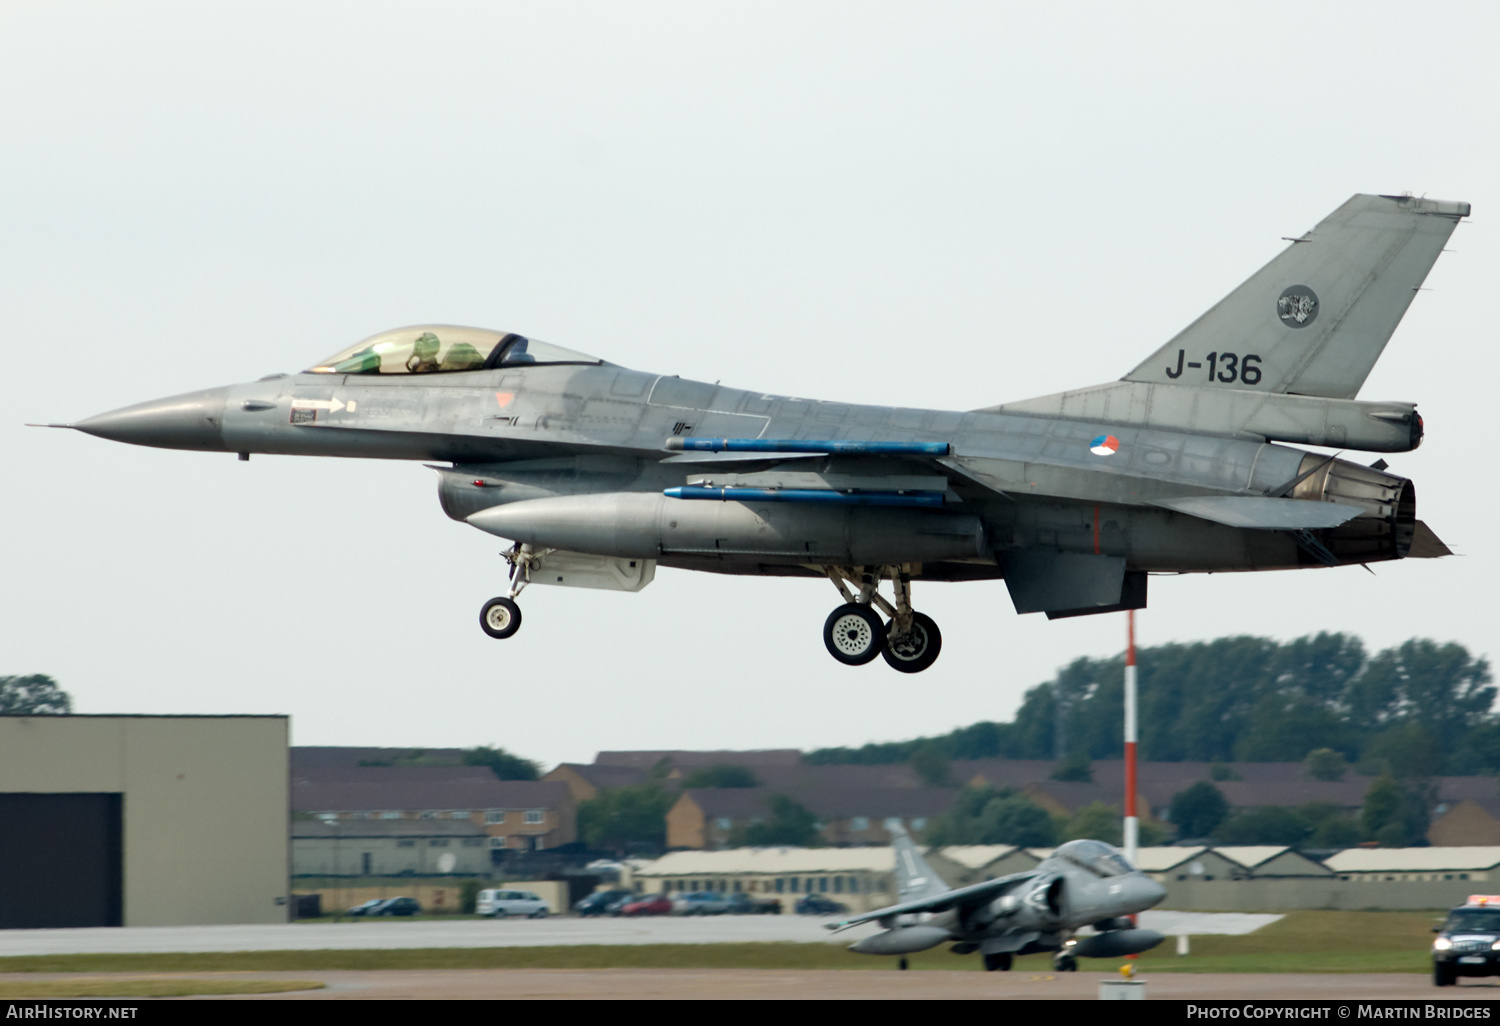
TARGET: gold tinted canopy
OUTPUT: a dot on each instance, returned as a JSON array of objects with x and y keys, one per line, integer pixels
[{"x": 444, "y": 348}]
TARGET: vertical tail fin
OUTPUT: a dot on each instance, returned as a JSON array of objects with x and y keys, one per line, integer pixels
[
  {"x": 1315, "y": 319},
  {"x": 914, "y": 877}
]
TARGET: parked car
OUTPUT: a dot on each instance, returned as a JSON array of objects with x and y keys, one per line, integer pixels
[
  {"x": 603, "y": 902},
  {"x": 499, "y": 904},
  {"x": 648, "y": 905},
  {"x": 364, "y": 907},
  {"x": 817, "y": 905},
  {"x": 744, "y": 905},
  {"x": 396, "y": 907},
  {"x": 700, "y": 903}
]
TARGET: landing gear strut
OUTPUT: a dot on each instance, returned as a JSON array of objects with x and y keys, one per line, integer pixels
[
  {"x": 501, "y": 617},
  {"x": 854, "y": 634}
]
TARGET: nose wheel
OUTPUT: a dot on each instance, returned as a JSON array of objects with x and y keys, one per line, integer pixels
[
  {"x": 854, "y": 633},
  {"x": 501, "y": 617}
]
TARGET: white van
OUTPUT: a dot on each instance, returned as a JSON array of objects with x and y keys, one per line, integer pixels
[{"x": 499, "y": 904}]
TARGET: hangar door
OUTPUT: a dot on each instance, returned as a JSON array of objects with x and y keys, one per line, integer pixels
[{"x": 61, "y": 860}]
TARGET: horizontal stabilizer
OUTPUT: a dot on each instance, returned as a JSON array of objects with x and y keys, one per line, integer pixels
[
  {"x": 1426, "y": 545},
  {"x": 1254, "y": 511}
]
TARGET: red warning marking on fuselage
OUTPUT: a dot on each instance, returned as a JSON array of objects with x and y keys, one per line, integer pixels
[{"x": 504, "y": 398}]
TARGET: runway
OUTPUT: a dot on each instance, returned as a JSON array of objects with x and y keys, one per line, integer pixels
[
  {"x": 392, "y": 934},
  {"x": 835, "y": 985}
]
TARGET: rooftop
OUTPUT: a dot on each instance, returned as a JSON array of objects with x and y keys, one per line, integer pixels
[
  {"x": 352, "y": 828},
  {"x": 1414, "y": 860},
  {"x": 771, "y": 861}
]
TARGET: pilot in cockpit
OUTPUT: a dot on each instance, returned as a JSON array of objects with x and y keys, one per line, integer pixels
[{"x": 424, "y": 354}]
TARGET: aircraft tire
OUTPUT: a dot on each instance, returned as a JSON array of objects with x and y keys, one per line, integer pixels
[
  {"x": 918, "y": 650},
  {"x": 1065, "y": 964},
  {"x": 500, "y": 618},
  {"x": 853, "y": 634},
  {"x": 1443, "y": 976},
  {"x": 997, "y": 962}
]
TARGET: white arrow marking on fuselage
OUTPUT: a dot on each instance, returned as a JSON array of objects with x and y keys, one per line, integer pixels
[{"x": 332, "y": 405}]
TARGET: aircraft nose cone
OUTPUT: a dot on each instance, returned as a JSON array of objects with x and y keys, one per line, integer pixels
[
  {"x": 194, "y": 420},
  {"x": 1144, "y": 892}
]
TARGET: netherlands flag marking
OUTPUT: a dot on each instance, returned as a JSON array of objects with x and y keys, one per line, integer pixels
[{"x": 1104, "y": 445}]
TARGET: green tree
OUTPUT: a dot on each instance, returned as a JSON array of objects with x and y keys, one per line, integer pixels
[
  {"x": 1098, "y": 822},
  {"x": 1198, "y": 810},
  {"x": 1407, "y": 750},
  {"x": 1284, "y": 725},
  {"x": 721, "y": 776},
  {"x": 930, "y": 765},
  {"x": 1479, "y": 751},
  {"x": 33, "y": 695},
  {"x": 986, "y": 815},
  {"x": 1441, "y": 688},
  {"x": 505, "y": 765},
  {"x": 790, "y": 824},
  {"x": 1393, "y": 815},
  {"x": 1076, "y": 768},
  {"x": 1264, "y": 824},
  {"x": 1324, "y": 764},
  {"x": 620, "y": 816},
  {"x": 1150, "y": 834},
  {"x": 1334, "y": 832}
]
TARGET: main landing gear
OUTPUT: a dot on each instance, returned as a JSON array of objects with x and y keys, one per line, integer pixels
[
  {"x": 854, "y": 633},
  {"x": 501, "y": 617}
]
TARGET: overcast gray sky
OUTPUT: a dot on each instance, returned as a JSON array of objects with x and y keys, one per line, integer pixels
[{"x": 926, "y": 204}]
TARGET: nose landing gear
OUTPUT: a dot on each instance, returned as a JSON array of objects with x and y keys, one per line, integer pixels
[
  {"x": 501, "y": 617},
  {"x": 854, "y": 635}
]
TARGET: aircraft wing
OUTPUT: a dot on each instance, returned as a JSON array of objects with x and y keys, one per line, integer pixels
[{"x": 974, "y": 894}]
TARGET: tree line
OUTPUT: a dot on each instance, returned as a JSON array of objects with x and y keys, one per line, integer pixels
[{"x": 1419, "y": 709}]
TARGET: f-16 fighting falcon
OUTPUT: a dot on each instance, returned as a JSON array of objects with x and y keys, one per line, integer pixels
[
  {"x": 597, "y": 473},
  {"x": 1083, "y": 883}
]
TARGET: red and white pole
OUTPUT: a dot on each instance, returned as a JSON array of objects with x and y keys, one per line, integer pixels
[{"x": 1132, "y": 834}]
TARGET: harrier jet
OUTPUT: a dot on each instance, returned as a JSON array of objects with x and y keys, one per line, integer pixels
[
  {"x": 1081, "y": 884},
  {"x": 597, "y": 474}
]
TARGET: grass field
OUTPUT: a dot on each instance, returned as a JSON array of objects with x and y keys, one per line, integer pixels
[
  {"x": 1301, "y": 942},
  {"x": 152, "y": 987}
]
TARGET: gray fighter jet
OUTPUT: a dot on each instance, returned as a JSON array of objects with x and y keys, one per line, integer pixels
[
  {"x": 598, "y": 474},
  {"x": 1081, "y": 884}
]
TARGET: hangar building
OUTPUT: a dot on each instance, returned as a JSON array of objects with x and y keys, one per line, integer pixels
[{"x": 143, "y": 820}]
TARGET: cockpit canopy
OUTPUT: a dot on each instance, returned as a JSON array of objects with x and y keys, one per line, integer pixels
[
  {"x": 444, "y": 348},
  {"x": 1097, "y": 857}
]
